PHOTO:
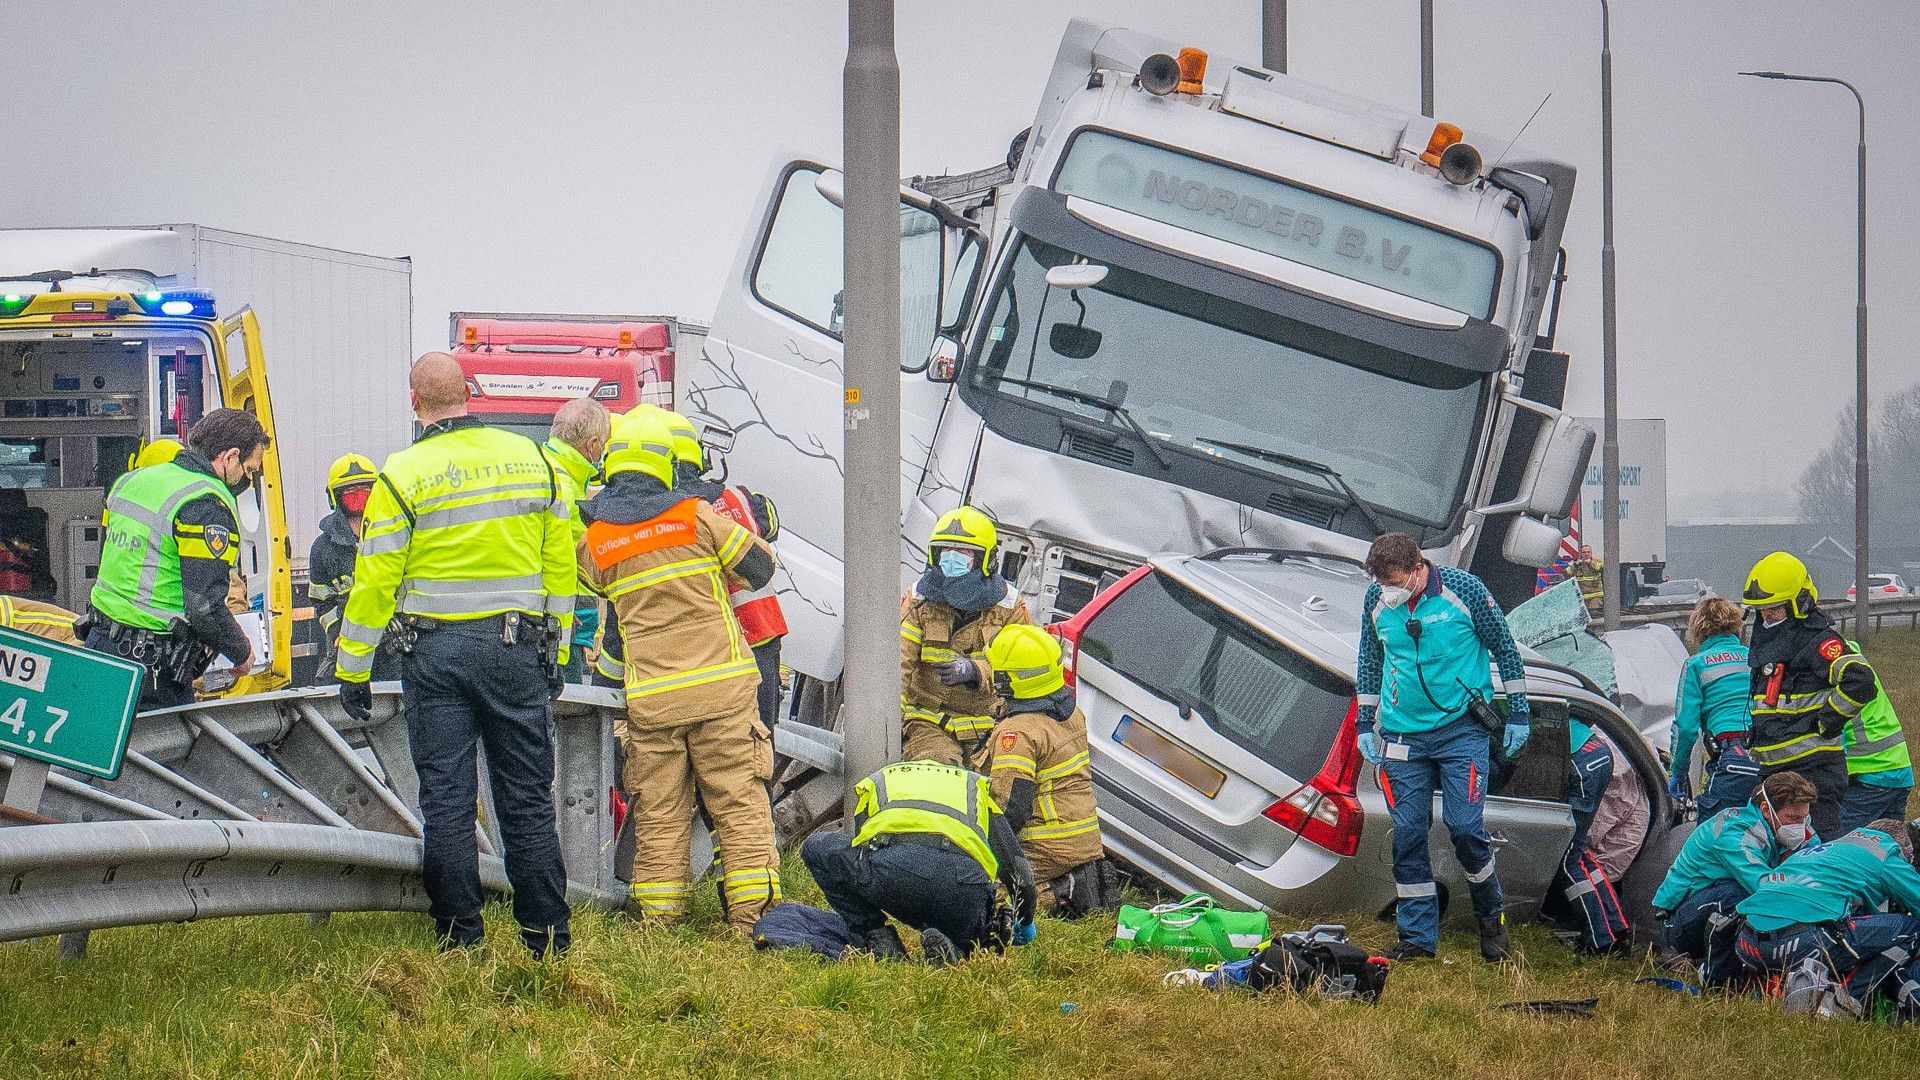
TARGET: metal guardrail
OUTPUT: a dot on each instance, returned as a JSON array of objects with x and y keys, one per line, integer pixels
[{"x": 1884, "y": 611}]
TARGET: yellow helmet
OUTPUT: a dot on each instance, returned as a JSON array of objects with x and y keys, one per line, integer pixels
[
  {"x": 1780, "y": 578},
  {"x": 1026, "y": 662},
  {"x": 641, "y": 442},
  {"x": 965, "y": 528},
  {"x": 348, "y": 470},
  {"x": 157, "y": 452},
  {"x": 685, "y": 441}
]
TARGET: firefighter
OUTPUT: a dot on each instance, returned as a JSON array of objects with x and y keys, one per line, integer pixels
[
  {"x": 350, "y": 482},
  {"x": 574, "y": 447},
  {"x": 957, "y": 606},
  {"x": 1586, "y": 570},
  {"x": 1879, "y": 767},
  {"x": 172, "y": 539},
  {"x": 662, "y": 558},
  {"x": 466, "y": 541},
  {"x": 39, "y": 619},
  {"x": 1806, "y": 684},
  {"x": 929, "y": 847},
  {"x": 1042, "y": 778}
]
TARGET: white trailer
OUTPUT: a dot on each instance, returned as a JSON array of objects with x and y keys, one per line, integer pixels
[{"x": 336, "y": 328}]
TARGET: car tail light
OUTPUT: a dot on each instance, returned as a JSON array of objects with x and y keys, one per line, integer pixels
[
  {"x": 1069, "y": 630},
  {"x": 1325, "y": 809}
]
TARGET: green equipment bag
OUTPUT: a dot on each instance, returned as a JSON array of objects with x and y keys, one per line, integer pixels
[{"x": 1195, "y": 929}]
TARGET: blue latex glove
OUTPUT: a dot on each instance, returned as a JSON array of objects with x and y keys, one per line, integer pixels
[
  {"x": 1370, "y": 747},
  {"x": 1516, "y": 737},
  {"x": 1025, "y": 933}
]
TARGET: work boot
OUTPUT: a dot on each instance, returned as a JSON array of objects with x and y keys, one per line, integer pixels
[
  {"x": 884, "y": 944},
  {"x": 937, "y": 949},
  {"x": 1407, "y": 950},
  {"x": 1494, "y": 946}
]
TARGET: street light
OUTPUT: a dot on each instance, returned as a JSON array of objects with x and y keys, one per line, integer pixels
[
  {"x": 1612, "y": 579},
  {"x": 1859, "y": 359}
]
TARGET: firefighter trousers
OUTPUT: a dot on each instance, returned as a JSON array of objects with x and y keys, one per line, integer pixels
[{"x": 726, "y": 762}]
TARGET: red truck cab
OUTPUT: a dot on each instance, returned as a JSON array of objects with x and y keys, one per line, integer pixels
[{"x": 521, "y": 370}]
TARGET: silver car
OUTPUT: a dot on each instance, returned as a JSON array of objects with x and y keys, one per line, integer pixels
[{"x": 1219, "y": 691}]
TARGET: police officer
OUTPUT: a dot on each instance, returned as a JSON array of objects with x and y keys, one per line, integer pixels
[
  {"x": 172, "y": 539},
  {"x": 350, "y": 482},
  {"x": 1042, "y": 778},
  {"x": 1722, "y": 863},
  {"x": 466, "y": 538},
  {"x": 928, "y": 848},
  {"x": 1426, "y": 635},
  {"x": 661, "y": 558},
  {"x": 1879, "y": 766},
  {"x": 574, "y": 447},
  {"x": 946, "y": 620},
  {"x": 1806, "y": 685},
  {"x": 1712, "y": 706},
  {"x": 1815, "y": 918}
]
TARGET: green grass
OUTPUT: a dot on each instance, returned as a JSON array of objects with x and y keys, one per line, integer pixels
[
  {"x": 366, "y": 995},
  {"x": 1896, "y": 656}
]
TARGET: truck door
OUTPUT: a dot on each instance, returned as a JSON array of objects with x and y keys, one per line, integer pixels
[
  {"x": 265, "y": 562},
  {"x": 772, "y": 373}
]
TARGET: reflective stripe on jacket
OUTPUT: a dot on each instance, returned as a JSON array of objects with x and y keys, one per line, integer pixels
[
  {"x": 933, "y": 633},
  {"x": 1063, "y": 831},
  {"x": 139, "y": 580},
  {"x": 927, "y": 797}
]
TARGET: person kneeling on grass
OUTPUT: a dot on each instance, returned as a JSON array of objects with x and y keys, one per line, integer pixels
[{"x": 929, "y": 846}]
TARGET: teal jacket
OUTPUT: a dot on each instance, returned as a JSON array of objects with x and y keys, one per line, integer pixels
[
  {"x": 1733, "y": 845},
  {"x": 1858, "y": 872},
  {"x": 1414, "y": 684},
  {"x": 1713, "y": 696}
]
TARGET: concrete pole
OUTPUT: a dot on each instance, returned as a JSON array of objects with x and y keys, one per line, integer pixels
[
  {"x": 1273, "y": 35},
  {"x": 870, "y": 721},
  {"x": 1609, "y": 356},
  {"x": 1426, "y": 58}
]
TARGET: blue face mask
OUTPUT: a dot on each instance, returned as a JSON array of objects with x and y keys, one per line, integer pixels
[{"x": 955, "y": 564}]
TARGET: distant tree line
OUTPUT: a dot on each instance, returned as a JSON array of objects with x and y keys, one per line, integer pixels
[{"x": 1825, "y": 489}]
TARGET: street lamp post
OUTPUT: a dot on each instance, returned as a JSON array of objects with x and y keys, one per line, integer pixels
[
  {"x": 1612, "y": 579},
  {"x": 1860, "y": 526},
  {"x": 1273, "y": 35}
]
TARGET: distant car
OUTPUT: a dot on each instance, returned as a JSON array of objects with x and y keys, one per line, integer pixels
[
  {"x": 1219, "y": 695},
  {"x": 1680, "y": 592},
  {"x": 1891, "y": 584}
]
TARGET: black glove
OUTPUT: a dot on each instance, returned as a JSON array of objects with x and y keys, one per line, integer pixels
[
  {"x": 357, "y": 699},
  {"x": 961, "y": 672}
]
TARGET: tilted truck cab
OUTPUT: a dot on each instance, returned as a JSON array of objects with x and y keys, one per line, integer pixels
[
  {"x": 94, "y": 367},
  {"x": 1203, "y": 305}
]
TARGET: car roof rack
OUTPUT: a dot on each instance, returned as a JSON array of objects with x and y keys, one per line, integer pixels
[{"x": 1279, "y": 555}]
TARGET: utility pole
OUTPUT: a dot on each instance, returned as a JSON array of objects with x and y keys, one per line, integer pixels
[
  {"x": 870, "y": 720},
  {"x": 1273, "y": 35},
  {"x": 1611, "y": 578}
]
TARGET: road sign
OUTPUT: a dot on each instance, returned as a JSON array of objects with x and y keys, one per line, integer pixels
[{"x": 65, "y": 705}]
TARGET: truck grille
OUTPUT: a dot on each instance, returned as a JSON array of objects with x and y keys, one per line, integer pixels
[{"x": 1069, "y": 580}]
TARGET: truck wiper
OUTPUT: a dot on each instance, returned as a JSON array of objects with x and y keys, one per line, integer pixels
[
  {"x": 1315, "y": 467},
  {"x": 1100, "y": 402}
]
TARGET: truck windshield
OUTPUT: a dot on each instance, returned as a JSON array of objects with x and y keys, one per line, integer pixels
[{"x": 1217, "y": 378}]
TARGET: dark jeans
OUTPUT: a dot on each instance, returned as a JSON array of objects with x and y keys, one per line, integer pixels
[
  {"x": 921, "y": 886},
  {"x": 1827, "y": 772},
  {"x": 1705, "y": 927},
  {"x": 767, "y": 655},
  {"x": 155, "y": 692},
  {"x": 1863, "y": 953},
  {"x": 463, "y": 687},
  {"x": 1731, "y": 777},
  {"x": 1864, "y": 804}
]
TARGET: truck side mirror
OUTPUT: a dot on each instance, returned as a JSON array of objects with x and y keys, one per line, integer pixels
[
  {"x": 1552, "y": 480},
  {"x": 943, "y": 363},
  {"x": 1530, "y": 542}
]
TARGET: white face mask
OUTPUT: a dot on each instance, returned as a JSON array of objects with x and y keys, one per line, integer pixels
[
  {"x": 1793, "y": 836},
  {"x": 1775, "y": 621},
  {"x": 1395, "y": 596}
]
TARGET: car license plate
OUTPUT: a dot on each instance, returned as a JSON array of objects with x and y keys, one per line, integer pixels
[{"x": 1177, "y": 761}]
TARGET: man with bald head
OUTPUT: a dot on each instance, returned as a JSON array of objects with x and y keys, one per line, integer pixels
[{"x": 466, "y": 548}]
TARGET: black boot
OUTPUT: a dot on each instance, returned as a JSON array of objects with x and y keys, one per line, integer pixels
[
  {"x": 1407, "y": 950},
  {"x": 884, "y": 944},
  {"x": 1494, "y": 946},
  {"x": 937, "y": 949}
]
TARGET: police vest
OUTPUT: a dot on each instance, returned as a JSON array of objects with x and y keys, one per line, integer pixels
[
  {"x": 139, "y": 582},
  {"x": 926, "y": 797},
  {"x": 1874, "y": 740}
]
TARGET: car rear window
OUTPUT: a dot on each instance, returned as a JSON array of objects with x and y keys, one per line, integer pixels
[{"x": 1259, "y": 694}]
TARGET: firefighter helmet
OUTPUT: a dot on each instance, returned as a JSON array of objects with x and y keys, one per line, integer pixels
[
  {"x": 641, "y": 442},
  {"x": 157, "y": 452},
  {"x": 965, "y": 528},
  {"x": 1026, "y": 661},
  {"x": 348, "y": 471},
  {"x": 1780, "y": 578}
]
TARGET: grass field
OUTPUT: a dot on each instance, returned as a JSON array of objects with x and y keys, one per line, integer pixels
[{"x": 366, "y": 995}]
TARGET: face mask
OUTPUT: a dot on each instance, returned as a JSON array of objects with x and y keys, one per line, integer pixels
[
  {"x": 1792, "y": 836},
  {"x": 955, "y": 564},
  {"x": 1775, "y": 621},
  {"x": 1395, "y": 595},
  {"x": 355, "y": 500},
  {"x": 246, "y": 481}
]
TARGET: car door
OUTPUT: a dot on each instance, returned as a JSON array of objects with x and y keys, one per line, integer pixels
[
  {"x": 265, "y": 560},
  {"x": 772, "y": 374},
  {"x": 1526, "y": 810}
]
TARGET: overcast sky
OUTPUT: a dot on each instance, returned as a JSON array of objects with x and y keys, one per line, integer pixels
[{"x": 606, "y": 156}]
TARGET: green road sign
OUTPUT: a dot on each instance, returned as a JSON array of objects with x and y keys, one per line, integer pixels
[{"x": 65, "y": 705}]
